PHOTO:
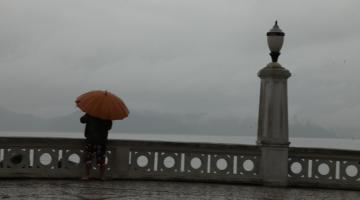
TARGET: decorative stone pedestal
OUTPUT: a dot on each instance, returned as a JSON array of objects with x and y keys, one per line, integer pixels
[
  {"x": 273, "y": 130},
  {"x": 274, "y": 165}
]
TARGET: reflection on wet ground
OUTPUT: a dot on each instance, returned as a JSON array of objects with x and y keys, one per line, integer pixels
[{"x": 151, "y": 190}]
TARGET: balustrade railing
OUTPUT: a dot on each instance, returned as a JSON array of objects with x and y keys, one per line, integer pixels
[
  {"x": 62, "y": 158},
  {"x": 42, "y": 157},
  {"x": 195, "y": 161},
  {"x": 127, "y": 159},
  {"x": 315, "y": 167}
]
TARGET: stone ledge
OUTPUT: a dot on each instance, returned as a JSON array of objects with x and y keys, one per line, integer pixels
[{"x": 274, "y": 70}]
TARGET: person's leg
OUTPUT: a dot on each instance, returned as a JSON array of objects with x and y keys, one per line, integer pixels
[
  {"x": 102, "y": 171},
  {"x": 88, "y": 156},
  {"x": 101, "y": 159}
]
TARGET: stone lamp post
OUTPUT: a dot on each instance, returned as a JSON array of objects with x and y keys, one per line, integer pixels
[{"x": 273, "y": 130}]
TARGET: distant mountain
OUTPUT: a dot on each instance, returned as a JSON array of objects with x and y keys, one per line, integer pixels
[
  {"x": 19, "y": 122},
  {"x": 155, "y": 122},
  {"x": 309, "y": 130}
]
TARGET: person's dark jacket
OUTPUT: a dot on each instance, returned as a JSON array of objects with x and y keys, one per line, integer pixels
[{"x": 96, "y": 129}]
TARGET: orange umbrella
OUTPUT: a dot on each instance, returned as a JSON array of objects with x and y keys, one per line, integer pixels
[{"x": 102, "y": 104}]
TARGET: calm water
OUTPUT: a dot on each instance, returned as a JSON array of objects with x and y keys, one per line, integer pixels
[{"x": 353, "y": 144}]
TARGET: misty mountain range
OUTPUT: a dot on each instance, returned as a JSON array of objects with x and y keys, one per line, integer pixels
[{"x": 154, "y": 122}]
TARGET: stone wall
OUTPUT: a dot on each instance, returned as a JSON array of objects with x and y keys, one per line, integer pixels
[{"x": 176, "y": 161}]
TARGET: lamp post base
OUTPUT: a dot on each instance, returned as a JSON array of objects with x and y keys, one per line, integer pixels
[{"x": 274, "y": 56}]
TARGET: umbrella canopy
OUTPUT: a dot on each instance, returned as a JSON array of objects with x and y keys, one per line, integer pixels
[{"x": 102, "y": 104}]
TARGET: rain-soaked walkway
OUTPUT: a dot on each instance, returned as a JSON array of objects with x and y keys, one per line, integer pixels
[{"x": 149, "y": 190}]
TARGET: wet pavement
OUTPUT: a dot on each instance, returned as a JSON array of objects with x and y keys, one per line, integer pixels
[{"x": 152, "y": 190}]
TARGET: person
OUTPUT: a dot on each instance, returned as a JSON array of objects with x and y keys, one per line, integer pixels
[{"x": 96, "y": 134}]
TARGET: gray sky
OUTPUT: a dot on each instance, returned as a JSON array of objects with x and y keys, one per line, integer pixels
[{"x": 184, "y": 56}]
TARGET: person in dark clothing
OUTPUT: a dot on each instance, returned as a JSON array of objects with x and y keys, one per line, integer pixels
[{"x": 96, "y": 134}]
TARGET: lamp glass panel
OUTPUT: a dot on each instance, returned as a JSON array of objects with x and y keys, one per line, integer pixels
[{"x": 275, "y": 43}]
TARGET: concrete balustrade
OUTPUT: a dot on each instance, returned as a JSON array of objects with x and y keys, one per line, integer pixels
[
  {"x": 176, "y": 161},
  {"x": 62, "y": 158},
  {"x": 327, "y": 168}
]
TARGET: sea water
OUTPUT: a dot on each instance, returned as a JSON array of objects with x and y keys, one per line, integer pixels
[{"x": 334, "y": 143}]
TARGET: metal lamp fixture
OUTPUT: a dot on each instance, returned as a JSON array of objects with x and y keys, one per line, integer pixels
[{"x": 275, "y": 39}]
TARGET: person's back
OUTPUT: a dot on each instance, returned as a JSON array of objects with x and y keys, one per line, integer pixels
[{"x": 96, "y": 130}]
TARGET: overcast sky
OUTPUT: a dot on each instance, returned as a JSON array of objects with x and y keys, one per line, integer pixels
[{"x": 184, "y": 56}]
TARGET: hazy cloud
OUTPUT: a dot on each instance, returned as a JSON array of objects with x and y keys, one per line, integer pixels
[{"x": 180, "y": 56}]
